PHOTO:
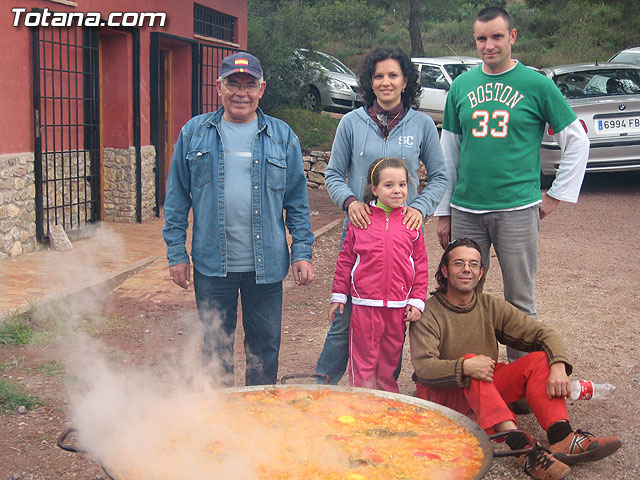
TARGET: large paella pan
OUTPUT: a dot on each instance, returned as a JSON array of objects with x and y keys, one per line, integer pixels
[{"x": 304, "y": 432}]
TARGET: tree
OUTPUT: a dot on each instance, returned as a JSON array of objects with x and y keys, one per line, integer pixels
[
  {"x": 276, "y": 28},
  {"x": 273, "y": 40},
  {"x": 414, "y": 29}
]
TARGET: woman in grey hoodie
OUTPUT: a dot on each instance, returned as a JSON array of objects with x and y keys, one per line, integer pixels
[{"x": 386, "y": 126}]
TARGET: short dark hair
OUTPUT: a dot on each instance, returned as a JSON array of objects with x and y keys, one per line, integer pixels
[
  {"x": 412, "y": 91},
  {"x": 373, "y": 174},
  {"x": 459, "y": 242},
  {"x": 490, "y": 13}
]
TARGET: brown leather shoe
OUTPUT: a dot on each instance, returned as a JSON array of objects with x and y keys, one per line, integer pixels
[
  {"x": 582, "y": 446},
  {"x": 541, "y": 465}
]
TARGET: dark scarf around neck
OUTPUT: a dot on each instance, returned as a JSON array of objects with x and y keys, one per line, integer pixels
[{"x": 386, "y": 119}]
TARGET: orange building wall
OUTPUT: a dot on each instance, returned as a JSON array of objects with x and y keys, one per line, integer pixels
[
  {"x": 116, "y": 90},
  {"x": 16, "y": 85}
]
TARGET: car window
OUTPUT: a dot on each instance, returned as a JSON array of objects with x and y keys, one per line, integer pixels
[
  {"x": 432, "y": 77},
  {"x": 456, "y": 69},
  {"x": 327, "y": 62},
  {"x": 626, "y": 57},
  {"x": 599, "y": 83}
]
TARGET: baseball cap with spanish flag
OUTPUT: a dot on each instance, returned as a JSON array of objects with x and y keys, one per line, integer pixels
[{"x": 242, "y": 62}]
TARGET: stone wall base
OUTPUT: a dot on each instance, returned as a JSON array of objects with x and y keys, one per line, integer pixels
[
  {"x": 17, "y": 194},
  {"x": 119, "y": 181},
  {"x": 17, "y": 205},
  {"x": 315, "y": 164}
]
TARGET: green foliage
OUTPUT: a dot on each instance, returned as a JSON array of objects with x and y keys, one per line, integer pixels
[
  {"x": 273, "y": 39},
  {"x": 11, "y": 397},
  {"x": 342, "y": 18},
  {"x": 15, "y": 329},
  {"x": 448, "y": 36},
  {"x": 555, "y": 32},
  {"x": 459, "y": 10},
  {"x": 277, "y": 28},
  {"x": 315, "y": 130},
  {"x": 37, "y": 324},
  {"x": 40, "y": 323},
  {"x": 550, "y": 32},
  {"x": 393, "y": 37}
]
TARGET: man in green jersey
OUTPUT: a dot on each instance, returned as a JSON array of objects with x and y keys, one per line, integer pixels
[{"x": 493, "y": 125}]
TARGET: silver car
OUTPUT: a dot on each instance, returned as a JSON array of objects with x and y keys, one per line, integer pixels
[
  {"x": 436, "y": 76},
  {"x": 606, "y": 99},
  {"x": 335, "y": 88}
]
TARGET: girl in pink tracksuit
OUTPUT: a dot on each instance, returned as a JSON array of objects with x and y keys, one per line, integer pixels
[{"x": 384, "y": 269}]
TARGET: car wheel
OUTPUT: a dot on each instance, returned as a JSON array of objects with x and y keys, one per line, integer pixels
[
  {"x": 311, "y": 100},
  {"x": 546, "y": 180}
]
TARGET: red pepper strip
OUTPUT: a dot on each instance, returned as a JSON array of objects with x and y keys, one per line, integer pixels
[
  {"x": 372, "y": 454},
  {"x": 430, "y": 456}
]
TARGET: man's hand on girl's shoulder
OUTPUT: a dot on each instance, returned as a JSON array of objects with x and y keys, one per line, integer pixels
[
  {"x": 412, "y": 218},
  {"x": 359, "y": 214}
]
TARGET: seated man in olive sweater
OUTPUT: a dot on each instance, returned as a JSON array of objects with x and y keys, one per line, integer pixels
[{"x": 454, "y": 350}]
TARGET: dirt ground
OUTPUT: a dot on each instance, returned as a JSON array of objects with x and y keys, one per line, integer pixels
[{"x": 587, "y": 289}]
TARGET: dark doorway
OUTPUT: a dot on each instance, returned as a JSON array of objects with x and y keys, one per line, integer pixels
[
  {"x": 174, "y": 99},
  {"x": 183, "y": 74},
  {"x": 165, "y": 146}
]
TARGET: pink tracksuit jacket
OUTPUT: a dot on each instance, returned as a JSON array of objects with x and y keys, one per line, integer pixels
[
  {"x": 384, "y": 265},
  {"x": 384, "y": 269}
]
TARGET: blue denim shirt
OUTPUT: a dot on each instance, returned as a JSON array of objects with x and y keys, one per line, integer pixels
[{"x": 196, "y": 180}]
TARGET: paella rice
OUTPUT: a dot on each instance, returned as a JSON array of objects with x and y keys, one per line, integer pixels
[{"x": 294, "y": 433}]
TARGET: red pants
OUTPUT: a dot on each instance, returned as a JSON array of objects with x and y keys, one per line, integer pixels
[
  {"x": 486, "y": 403},
  {"x": 376, "y": 336}
]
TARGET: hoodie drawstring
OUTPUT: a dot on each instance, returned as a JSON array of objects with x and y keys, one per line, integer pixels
[
  {"x": 366, "y": 132},
  {"x": 403, "y": 137}
]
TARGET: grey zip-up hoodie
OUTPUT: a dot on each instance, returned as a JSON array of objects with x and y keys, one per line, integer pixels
[{"x": 358, "y": 142}]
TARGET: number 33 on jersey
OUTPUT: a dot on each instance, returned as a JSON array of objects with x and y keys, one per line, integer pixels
[{"x": 492, "y": 92}]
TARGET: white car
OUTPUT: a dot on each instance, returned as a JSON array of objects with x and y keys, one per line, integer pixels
[{"x": 436, "y": 76}]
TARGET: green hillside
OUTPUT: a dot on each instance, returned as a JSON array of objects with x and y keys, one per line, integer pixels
[{"x": 550, "y": 32}]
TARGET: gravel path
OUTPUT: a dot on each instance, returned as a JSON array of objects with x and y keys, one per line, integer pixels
[{"x": 587, "y": 289}]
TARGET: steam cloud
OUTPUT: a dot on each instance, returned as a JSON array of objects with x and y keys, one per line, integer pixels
[
  {"x": 166, "y": 419},
  {"x": 141, "y": 421}
]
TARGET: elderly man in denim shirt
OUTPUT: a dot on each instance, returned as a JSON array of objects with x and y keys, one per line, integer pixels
[{"x": 239, "y": 169}]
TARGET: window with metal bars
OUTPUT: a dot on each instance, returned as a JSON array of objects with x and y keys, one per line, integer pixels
[
  {"x": 210, "y": 59},
  {"x": 214, "y": 24},
  {"x": 67, "y": 142}
]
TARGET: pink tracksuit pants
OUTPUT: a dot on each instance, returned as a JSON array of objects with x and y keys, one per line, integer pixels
[{"x": 376, "y": 337}]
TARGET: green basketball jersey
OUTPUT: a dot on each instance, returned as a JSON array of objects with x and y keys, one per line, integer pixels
[{"x": 501, "y": 119}]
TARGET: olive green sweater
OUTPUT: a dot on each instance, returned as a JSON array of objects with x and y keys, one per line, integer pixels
[{"x": 445, "y": 333}]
